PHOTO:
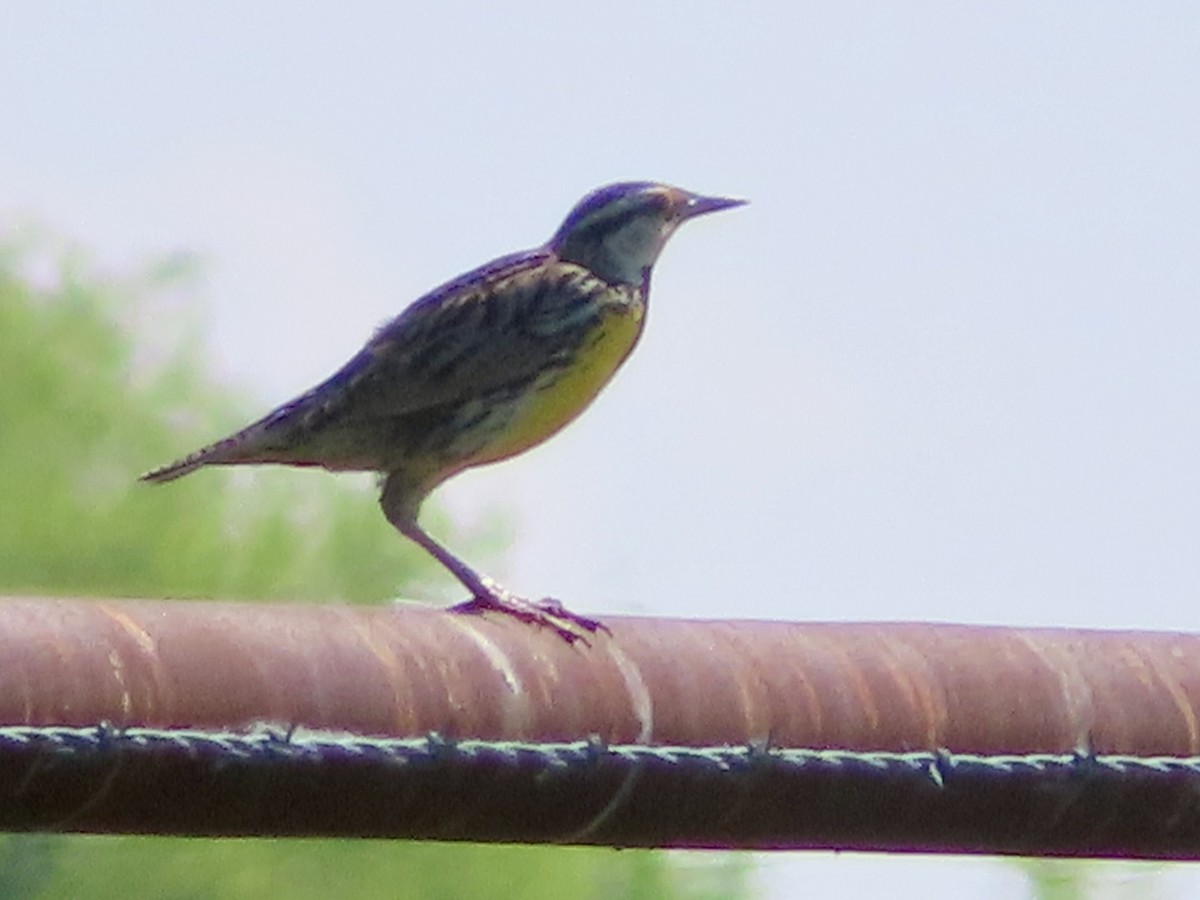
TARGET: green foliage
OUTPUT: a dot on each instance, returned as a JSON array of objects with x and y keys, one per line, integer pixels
[
  {"x": 1074, "y": 879},
  {"x": 105, "y": 867},
  {"x": 81, "y": 413}
]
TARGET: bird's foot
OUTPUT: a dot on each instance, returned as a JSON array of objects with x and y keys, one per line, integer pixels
[{"x": 548, "y": 613}]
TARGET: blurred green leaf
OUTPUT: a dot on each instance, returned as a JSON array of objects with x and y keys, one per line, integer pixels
[{"x": 81, "y": 414}]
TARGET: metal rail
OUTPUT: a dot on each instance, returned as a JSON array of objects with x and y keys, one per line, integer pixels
[{"x": 210, "y": 718}]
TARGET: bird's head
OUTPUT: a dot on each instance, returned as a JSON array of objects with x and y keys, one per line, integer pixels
[{"x": 619, "y": 230}]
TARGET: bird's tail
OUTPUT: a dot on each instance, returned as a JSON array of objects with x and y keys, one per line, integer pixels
[
  {"x": 205, "y": 456},
  {"x": 264, "y": 441}
]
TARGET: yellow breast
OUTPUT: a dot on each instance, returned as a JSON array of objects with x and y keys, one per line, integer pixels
[{"x": 556, "y": 399}]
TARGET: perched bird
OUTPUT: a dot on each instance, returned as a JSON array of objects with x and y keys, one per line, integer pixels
[{"x": 481, "y": 369}]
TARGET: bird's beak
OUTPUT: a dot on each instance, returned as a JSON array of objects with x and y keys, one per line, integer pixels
[{"x": 698, "y": 206}]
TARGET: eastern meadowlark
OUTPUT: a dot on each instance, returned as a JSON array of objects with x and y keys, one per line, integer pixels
[{"x": 481, "y": 369}]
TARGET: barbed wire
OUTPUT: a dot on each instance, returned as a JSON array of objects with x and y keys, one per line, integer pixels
[{"x": 267, "y": 743}]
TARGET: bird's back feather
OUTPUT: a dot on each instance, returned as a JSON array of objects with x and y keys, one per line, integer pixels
[{"x": 490, "y": 331}]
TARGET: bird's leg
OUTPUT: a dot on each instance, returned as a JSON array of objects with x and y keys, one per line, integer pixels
[
  {"x": 487, "y": 594},
  {"x": 401, "y": 499}
]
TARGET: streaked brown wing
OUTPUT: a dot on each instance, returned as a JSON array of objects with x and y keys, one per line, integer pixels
[{"x": 498, "y": 326}]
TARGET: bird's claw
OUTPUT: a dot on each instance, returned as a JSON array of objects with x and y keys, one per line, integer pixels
[{"x": 548, "y": 613}]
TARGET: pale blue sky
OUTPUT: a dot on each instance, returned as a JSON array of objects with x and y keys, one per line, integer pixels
[{"x": 944, "y": 366}]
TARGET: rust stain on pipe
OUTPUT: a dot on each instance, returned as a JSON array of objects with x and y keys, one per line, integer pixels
[{"x": 409, "y": 671}]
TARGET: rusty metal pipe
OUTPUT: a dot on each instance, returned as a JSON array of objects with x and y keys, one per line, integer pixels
[{"x": 900, "y": 731}]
